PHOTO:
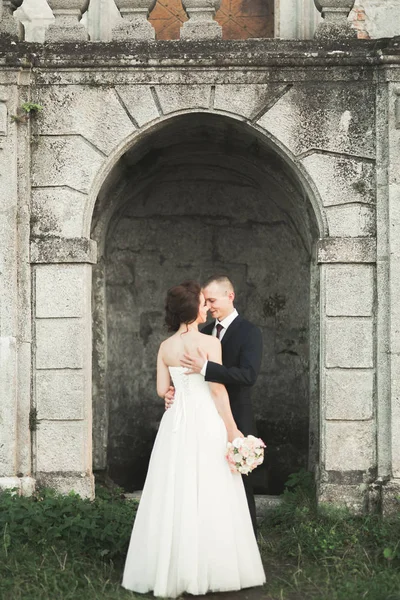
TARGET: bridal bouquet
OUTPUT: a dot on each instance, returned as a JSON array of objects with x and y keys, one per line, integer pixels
[{"x": 245, "y": 454}]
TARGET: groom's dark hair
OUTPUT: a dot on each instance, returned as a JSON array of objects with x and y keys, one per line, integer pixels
[
  {"x": 182, "y": 304},
  {"x": 222, "y": 279}
]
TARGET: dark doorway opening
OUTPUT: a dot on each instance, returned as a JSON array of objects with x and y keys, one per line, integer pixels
[{"x": 201, "y": 194}]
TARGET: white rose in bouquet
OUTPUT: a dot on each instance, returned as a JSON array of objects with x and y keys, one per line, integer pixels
[{"x": 245, "y": 454}]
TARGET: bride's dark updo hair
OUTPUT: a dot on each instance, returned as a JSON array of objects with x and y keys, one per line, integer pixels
[{"x": 182, "y": 304}]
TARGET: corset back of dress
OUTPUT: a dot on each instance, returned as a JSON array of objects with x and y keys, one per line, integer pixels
[
  {"x": 192, "y": 393},
  {"x": 187, "y": 384}
]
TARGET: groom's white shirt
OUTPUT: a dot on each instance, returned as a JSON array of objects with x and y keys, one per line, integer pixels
[{"x": 225, "y": 324}]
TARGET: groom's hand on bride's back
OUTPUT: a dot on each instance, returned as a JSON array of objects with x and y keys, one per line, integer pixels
[
  {"x": 194, "y": 364},
  {"x": 169, "y": 397}
]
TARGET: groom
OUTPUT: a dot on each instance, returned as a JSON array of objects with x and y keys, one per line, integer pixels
[{"x": 241, "y": 357}]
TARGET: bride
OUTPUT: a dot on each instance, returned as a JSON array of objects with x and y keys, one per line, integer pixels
[{"x": 192, "y": 531}]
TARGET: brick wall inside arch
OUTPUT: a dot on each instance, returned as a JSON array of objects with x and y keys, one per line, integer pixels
[{"x": 240, "y": 19}]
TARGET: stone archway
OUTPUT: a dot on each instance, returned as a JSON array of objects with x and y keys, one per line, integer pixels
[
  {"x": 322, "y": 149},
  {"x": 196, "y": 195}
]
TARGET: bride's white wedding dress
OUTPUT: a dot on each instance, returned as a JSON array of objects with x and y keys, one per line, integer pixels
[{"x": 192, "y": 531}]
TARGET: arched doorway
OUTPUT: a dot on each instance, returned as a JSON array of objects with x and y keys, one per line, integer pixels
[{"x": 196, "y": 195}]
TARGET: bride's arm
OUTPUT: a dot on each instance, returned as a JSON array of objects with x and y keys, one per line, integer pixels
[
  {"x": 163, "y": 376},
  {"x": 220, "y": 395}
]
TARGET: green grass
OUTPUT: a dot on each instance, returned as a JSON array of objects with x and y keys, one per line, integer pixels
[
  {"x": 29, "y": 575},
  {"x": 332, "y": 557},
  {"x": 329, "y": 554},
  {"x": 61, "y": 548}
]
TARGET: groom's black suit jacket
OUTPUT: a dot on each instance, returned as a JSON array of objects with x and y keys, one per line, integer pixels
[{"x": 241, "y": 361}]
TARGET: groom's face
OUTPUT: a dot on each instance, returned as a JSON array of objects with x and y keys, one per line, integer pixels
[{"x": 219, "y": 300}]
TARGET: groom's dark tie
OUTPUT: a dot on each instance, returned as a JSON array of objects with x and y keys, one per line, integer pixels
[{"x": 219, "y": 329}]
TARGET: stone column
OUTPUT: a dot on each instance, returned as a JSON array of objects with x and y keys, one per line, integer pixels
[
  {"x": 67, "y": 26},
  {"x": 8, "y": 25},
  {"x": 388, "y": 202},
  {"x": 201, "y": 24},
  {"x": 62, "y": 368},
  {"x": 134, "y": 25},
  {"x": 348, "y": 425},
  {"x": 15, "y": 329},
  {"x": 8, "y": 285},
  {"x": 335, "y": 24}
]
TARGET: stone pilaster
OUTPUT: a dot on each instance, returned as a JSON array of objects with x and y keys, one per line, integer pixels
[
  {"x": 347, "y": 370},
  {"x": 62, "y": 374},
  {"x": 390, "y": 231},
  {"x": 9, "y": 289}
]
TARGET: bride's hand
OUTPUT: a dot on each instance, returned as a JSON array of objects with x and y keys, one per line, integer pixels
[
  {"x": 233, "y": 434},
  {"x": 169, "y": 397}
]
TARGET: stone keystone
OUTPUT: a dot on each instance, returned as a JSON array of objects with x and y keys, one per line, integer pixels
[
  {"x": 66, "y": 27},
  {"x": 201, "y": 24},
  {"x": 335, "y": 24},
  {"x": 134, "y": 24},
  {"x": 9, "y": 26}
]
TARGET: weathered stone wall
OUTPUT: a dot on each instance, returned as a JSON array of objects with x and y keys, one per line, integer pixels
[
  {"x": 119, "y": 116},
  {"x": 15, "y": 290},
  {"x": 208, "y": 200},
  {"x": 316, "y": 127}
]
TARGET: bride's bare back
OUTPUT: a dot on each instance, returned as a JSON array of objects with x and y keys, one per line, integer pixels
[
  {"x": 191, "y": 342},
  {"x": 179, "y": 344},
  {"x": 172, "y": 350}
]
